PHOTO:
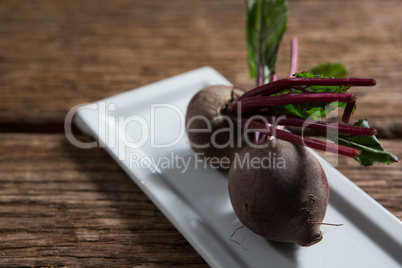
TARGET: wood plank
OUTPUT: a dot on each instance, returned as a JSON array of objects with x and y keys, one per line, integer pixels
[
  {"x": 382, "y": 182},
  {"x": 71, "y": 52},
  {"x": 65, "y": 206}
]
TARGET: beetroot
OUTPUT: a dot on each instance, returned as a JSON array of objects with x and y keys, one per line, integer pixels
[
  {"x": 282, "y": 195},
  {"x": 280, "y": 191},
  {"x": 210, "y": 129}
]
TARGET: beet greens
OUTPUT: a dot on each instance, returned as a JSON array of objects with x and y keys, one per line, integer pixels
[
  {"x": 266, "y": 24},
  {"x": 305, "y": 98}
]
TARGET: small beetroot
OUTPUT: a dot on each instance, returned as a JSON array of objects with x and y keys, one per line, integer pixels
[
  {"x": 210, "y": 129},
  {"x": 279, "y": 192}
]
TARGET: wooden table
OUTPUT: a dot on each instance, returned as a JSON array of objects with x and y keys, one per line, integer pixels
[{"x": 65, "y": 206}]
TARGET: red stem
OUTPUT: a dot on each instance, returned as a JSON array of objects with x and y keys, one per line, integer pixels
[
  {"x": 347, "y": 113},
  {"x": 295, "y": 56},
  {"x": 303, "y": 141},
  {"x": 254, "y": 104},
  {"x": 260, "y": 76},
  {"x": 284, "y": 83},
  {"x": 321, "y": 126}
]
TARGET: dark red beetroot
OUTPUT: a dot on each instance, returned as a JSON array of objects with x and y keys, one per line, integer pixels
[
  {"x": 285, "y": 202},
  {"x": 219, "y": 139}
]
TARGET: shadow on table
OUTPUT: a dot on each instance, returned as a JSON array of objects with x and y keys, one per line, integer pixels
[{"x": 122, "y": 214}]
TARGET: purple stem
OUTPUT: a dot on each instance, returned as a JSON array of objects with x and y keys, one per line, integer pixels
[
  {"x": 284, "y": 83},
  {"x": 321, "y": 127},
  {"x": 300, "y": 88},
  {"x": 348, "y": 111},
  {"x": 262, "y": 138},
  {"x": 254, "y": 104},
  {"x": 260, "y": 76},
  {"x": 257, "y": 137},
  {"x": 293, "y": 138},
  {"x": 294, "y": 56}
]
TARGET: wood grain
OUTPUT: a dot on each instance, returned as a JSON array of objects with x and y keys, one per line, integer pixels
[
  {"x": 57, "y": 54},
  {"x": 382, "y": 182},
  {"x": 65, "y": 206}
]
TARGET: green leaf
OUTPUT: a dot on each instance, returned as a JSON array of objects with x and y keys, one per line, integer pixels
[
  {"x": 371, "y": 149},
  {"x": 265, "y": 25},
  {"x": 333, "y": 69},
  {"x": 312, "y": 111}
]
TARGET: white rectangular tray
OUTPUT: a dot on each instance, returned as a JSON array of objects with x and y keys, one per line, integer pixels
[{"x": 196, "y": 200}]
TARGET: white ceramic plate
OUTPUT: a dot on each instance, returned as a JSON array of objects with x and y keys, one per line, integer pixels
[{"x": 196, "y": 201}]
